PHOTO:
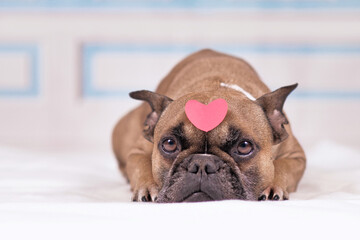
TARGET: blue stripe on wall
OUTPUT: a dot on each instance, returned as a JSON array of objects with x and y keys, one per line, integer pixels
[
  {"x": 249, "y": 48},
  {"x": 33, "y": 88},
  {"x": 91, "y": 50},
  {"x": 182, "y": 4},
  {"x": 326, "y": 95}
]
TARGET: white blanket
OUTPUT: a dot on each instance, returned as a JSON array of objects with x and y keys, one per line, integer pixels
[{"x": 81, "y": 195}]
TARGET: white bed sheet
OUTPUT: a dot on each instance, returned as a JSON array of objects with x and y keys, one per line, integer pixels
[{"x": 81, "y": 195}]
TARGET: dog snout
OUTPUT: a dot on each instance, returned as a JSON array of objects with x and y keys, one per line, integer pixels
[{"x": 203, "y": 164}]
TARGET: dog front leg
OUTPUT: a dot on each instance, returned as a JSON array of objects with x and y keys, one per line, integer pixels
[
  {"x": 288, "y": 172},
  {"x": 139, "y": 172},
  {"x": 289, "y": 167}
]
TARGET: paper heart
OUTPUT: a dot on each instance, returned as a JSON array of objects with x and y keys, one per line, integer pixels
[{"x": 206, "y": 117}]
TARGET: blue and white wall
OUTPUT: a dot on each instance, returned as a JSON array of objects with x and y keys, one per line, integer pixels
[{"x": 66, "y": 67}]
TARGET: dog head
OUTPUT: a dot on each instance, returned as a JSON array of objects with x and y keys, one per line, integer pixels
[{"x": 231, "y": 161}]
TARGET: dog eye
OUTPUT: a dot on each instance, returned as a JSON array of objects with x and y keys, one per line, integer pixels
[
  {"x": 244, "y": 148},
  {"x": 169, "y": 145}
]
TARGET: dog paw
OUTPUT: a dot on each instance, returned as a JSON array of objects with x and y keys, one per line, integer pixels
[
  {"x": 145, "y": 193},
  {"x": 274, "y": 193}
]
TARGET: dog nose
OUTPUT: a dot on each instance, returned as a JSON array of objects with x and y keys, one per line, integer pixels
[{"x": 203, "y": 163}]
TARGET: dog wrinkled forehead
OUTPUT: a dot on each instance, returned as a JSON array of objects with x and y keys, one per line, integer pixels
[{"x": 221, "y": 106}]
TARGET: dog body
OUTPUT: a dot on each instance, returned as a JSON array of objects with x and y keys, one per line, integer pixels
[{"x": 251, "y": 155}]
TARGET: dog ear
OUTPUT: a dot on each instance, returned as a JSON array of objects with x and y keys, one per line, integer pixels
[
  {"x": 272, "y": 103},
  {"x": 158, "y": 103}
]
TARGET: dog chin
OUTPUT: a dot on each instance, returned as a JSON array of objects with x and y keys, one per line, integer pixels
[{"x": 198, "y": 197}]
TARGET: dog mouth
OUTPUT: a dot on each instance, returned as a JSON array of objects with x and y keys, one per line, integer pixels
[
  {"x": 202, "y": 178},
  {"x": 198, "y": 196}
]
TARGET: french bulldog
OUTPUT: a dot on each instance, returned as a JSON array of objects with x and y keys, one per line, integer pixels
[{"x": 251, "y": 154}]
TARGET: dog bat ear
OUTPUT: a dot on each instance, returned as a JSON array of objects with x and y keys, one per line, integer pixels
[
  {"x": 158, "y": 103},
  {"x": 272, "y": 103}
]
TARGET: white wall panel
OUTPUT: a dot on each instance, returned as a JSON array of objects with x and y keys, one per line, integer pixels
[
  {"x": 112, "y": 70},
  {"x": 118, "y": 73},
  {"x": 14, "y": 71},
  {"x": 18, "y": 70},
  {"x": 321, "y": 72}
]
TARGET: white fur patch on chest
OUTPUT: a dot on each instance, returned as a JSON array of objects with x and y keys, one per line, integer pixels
[{"x": 239, "y": 89}]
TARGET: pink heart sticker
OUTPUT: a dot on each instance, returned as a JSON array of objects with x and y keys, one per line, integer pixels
[{"x": 206, "y": 117}]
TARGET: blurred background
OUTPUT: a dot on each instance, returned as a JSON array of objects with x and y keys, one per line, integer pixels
[{"x": 66, "y": 67}]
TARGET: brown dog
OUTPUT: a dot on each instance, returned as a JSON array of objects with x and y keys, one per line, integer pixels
[{"x": 251, "y": 155}]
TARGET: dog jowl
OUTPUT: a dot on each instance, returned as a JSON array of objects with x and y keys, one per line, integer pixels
[{"x": 211, "y": 131}]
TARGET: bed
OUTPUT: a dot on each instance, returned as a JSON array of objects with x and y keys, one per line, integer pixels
[{"x": 81, "y": 195}]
